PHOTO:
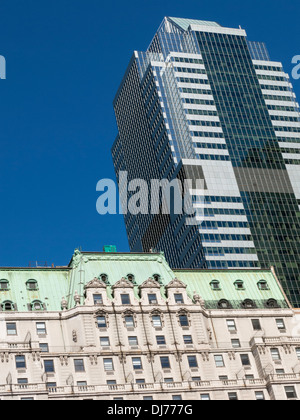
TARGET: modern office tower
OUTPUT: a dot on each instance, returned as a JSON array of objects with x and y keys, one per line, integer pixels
[
  {"x": 204, "y": 103},
  {"x": 125, "y": 326}
]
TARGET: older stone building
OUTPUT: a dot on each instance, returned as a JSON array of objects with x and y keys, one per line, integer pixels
[{"x": 125, "y": 326}]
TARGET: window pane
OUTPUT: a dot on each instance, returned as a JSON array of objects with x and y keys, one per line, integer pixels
[
  {"x": 41, "y": 328},
  {"x": 108, "y": 365},
  {"x": 184, "y": 322},
  {"x": 133, "y": 341},
  {"x": 11, "y": 329},
  {"x": 165, "y": 363},
  {"x": 79, "y": 365},
  {"x": 137, "y": 363},
  {"x": 187, "y": 339},
  {"x": 152, "y": 299},
  {"x": 192, "y": 361},
  {"x": 179, "y": 298},
  {"x": 98, "y": 300},
  {"x": 161, "y": 341},
  {"x": 129, "y": 321},
  {"x": 219, "y": 361},
  {"x": 101, "y": 320},
  {"x": 280, "y": 324},
  {"x": 245, "y": 360},
  {"x": 156, "y": 321},
  {"x": 44, "y": 348},
  {"x": 49, "y": 366},
  {"x": 20, "y": 362},
  {"x": 125, "y": 299},
  {"x": 256, "y": 324}
]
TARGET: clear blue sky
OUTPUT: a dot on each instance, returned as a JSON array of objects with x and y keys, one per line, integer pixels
[{"x": 65, "y": 60}]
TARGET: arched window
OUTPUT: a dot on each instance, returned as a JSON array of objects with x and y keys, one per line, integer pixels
[
  {"x": 131, "y": 278},
  {"x": 157, "y": 278},
  {"x": 272, "y": 303},
  {"x": 37, "y": 305},
  {"x": 4, "y": 285},
  {"x": 32, "y": 285},
  {"x": 104, "y": 278},
  {"x": 263, "y": 285},
  {"x": 8, "y": 306},
  {"x": 239, "y": 285},
  {"x": 215, "y": 285},
  {"x": 224, "y": 304},
  {"x": 248, "y": 304}
]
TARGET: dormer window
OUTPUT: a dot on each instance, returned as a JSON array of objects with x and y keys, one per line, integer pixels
[
  {"x": 37, "y": 306},
  {"x": 4, "y": 285},
  {"x": 131, "y": 278},
  {"x": 272, "y": 303},
  {"x": 104, "y": 278},
  {"x": 32, "y": 285},
  {"x": 239, "y": 285},
  {"x": 263, "y": 285},
  {"x": 8, "y": 306},
  {"x": 248, "y": 304},
  {"x": 215, "y": 285},
  {"x": 224, "y": 304},
  {"x": 157, "y": 278}
]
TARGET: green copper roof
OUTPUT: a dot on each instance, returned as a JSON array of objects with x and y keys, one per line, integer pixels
[
  {"x": 199, "y": 281},
  {"x": 56, "y": 283},
  {"x": 185, "y": 23}
]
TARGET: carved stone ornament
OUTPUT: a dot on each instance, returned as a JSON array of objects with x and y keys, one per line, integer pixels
[
  {"x": 205, "y": 356},
  {"x": 93, "y": 359},
  {"x": 95, "y": 284},
  {"x": 176, "y": 284},
  {"x": 198, "y": 299},
  {"x": 123, "y": 284},
  {"x": 74, "y": 335},
  {"x": 4, "y": 357},
  {"x": 64, "y": 304},
  {"x": 150, "y": 284},
  {"x": 77, "y": 298},
  {"x": 36, "y": 356},
  {"x": 64, "y": 361}
]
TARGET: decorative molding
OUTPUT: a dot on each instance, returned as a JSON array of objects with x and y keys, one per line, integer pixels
[
  {"x": 176, "y": 284},
  {"x": 123, "y": 284},
  {"x": 150, "y": 284},
  {"x": 95, "y": 284}
]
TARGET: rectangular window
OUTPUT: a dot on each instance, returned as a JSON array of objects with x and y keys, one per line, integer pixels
[
  {"x": 231, "y": 325},
  {"x": 133, "y": 341},
  {"x": 98, "y": 300},
  {"x": 22, "y": 381},
  {"x": 140, "y": 381},
  {"x": 41, "y": 328},
  {"x": 179, "y": 298},
  {"x": 111, "y": 383},
  {"x": 280, "y": 324},
  {"x": 156, "y": 319},
  {"x": 108, "y": 365},
  {"x": 275, "y": 354},
  {"x": 184, "y": 322},
  {"x": 104, "y": 341},
  {"x": 137, "y": 363},
  {"x": 176, "y": 397},
  {"x": 165, "y": 362},
  {"x": 51, "y": 386},
  {"x": 187, "y": 339},
  {"x": 49, "y": 366},
  {"x": 219, "y": 361},
  {"x": 235, "y": 344},
  {"x": 290, "y": 392},
  {"x": 82, "y": 384},
  {"x": 79, "y": 365},
  {"x": 11, "y": 328},
  {"x": 205, "y": 397},
  {"x": 152, "y": 299},
  {"x": 169, "y": 380},
  {"x": 192, "y": 361},
  {"x": 232, "y": 396},
  {"x": 129, "y": 321},
  {"x": 160, "y": 339},
  {"x": 256, "y": 324},
  {"x": 298, "y": 352},
  {"x": 20, "y": 362},
  {"x": 259, "y": 396},
  {"x": 44, "y": 347},
  {"x": 101, "y": 321},
  {"x": 148, "y": 398},
  {"x": 125, "y": 299},
  {"x": 245, "y": 360}
]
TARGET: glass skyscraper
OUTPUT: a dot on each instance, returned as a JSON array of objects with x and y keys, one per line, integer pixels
[{"x": 203, "y": 102}]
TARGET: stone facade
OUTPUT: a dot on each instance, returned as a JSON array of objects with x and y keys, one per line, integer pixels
[{"x": 146, "y": 335}]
